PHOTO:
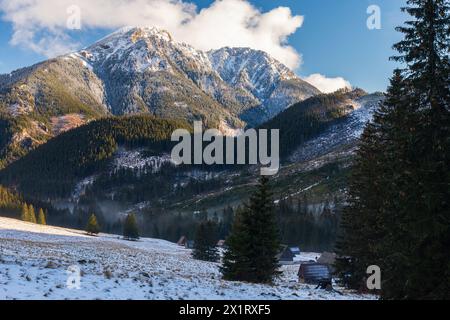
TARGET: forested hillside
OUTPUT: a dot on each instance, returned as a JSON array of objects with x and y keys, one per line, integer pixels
[
  {"x": 55, "y": 167},
  {"x": 305, "y": 120}
]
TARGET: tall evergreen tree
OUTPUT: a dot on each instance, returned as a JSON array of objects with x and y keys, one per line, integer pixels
[
  {"x": 226, "y": 222},
  {"x": 92, "y": 226},
  {"x": 24, "y": 216},
  {"x": 41, "y": 217},
  {"x": 426, "y": 51},
  {"x": 373, "y": 184},
  {"x": 130, "y": 228},
  {"x": 205, "y": 242},
  {"x": 254, "y": 240},
  {"x": 398, "y": 215},
  {"x": 32, "y": 214}
]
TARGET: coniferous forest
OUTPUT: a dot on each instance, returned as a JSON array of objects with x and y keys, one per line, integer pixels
[{"x": 398, "y": 216}]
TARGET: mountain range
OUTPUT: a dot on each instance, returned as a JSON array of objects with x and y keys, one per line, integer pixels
[
  {"x": 143, "y": 70},
  {"x": 89, "y": 131}
]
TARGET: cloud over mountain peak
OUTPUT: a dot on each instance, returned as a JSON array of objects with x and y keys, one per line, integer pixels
[{"x": 42, "y": 25}]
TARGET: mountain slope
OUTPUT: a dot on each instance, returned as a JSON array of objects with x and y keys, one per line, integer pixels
[
  {"x": 55, "y": 167},
  {"x": 306, "y": 120},
  {"x": 271, "y": 83},
  {"x": 341, "y": 134},
  {"x": 169, "y": 78},
  {"x": 35, "y": 103},
  {"x": 62, "y": 168},
  {"x": 142, "y": 70},
  {"x": 54, "y": 87}
]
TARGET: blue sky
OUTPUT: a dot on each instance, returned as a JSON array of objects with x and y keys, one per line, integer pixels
[{"x": 333, "y": 40}]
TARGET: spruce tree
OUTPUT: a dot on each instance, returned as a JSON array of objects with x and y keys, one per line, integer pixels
[
  {"x": 24, "y": 216},
  {"x": 398, "y": 212},
  {"x": 426, "y": 51},
  {"x": 92, "y": 226},
  {"x": 31, "y": 214},
  {"x": 373, "y": 184},
  {"x": 205, "y": 242},
  {"x": 130, "y": 228},
  {"x": 254, "y": 241},
  {"x": 41, "y": 217},
  {"x": 360, "y": 218}
]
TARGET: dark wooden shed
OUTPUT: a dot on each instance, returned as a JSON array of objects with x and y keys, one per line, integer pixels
[
  {"x": 314, "y": 273},
  {"x": 285, "y": 255},
  {"x": 328, "y": 258}
]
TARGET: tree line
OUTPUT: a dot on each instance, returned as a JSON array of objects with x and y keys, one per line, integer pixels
[{"x": 28, "y": 214}]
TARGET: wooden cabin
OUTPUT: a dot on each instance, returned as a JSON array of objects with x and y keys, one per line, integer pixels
[
  {"x": 314, "y": 273},
  {"x": 329, "y": 259},
  {"x": 287, "y": 254}
]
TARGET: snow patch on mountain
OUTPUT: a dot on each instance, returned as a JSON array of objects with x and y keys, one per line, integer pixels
[
  {"x": 134, "y": 159},
  {"x": 344, "y": 132},
  {"x": 81, "y": 187},
  {"x": 251, "y": 70}
]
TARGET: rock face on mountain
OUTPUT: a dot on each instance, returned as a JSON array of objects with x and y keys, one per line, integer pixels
[
  {"x": 143, "y": 70},
  {"x": 269, "y": 82}
]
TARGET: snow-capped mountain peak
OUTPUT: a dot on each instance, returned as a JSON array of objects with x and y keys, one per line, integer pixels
[
  {"x": 140, "y": 50},
  {"x": 249, "y": 69},
  {"x": 146, "y": 70},
  {"x": 148, "y": 65}
]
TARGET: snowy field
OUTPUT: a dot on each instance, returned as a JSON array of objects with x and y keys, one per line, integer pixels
[{"x": 36, "y": 262}]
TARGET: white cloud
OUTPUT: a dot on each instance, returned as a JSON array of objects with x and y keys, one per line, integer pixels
[
  {"x": 41, "y": 24},
  {"x": 327, "y": 85}
]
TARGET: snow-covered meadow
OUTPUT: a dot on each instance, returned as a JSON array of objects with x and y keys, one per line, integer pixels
[{"x": 36, "y": 262}]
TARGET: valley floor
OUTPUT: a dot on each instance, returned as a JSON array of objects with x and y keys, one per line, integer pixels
[{"x": 37, "y": 261}]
